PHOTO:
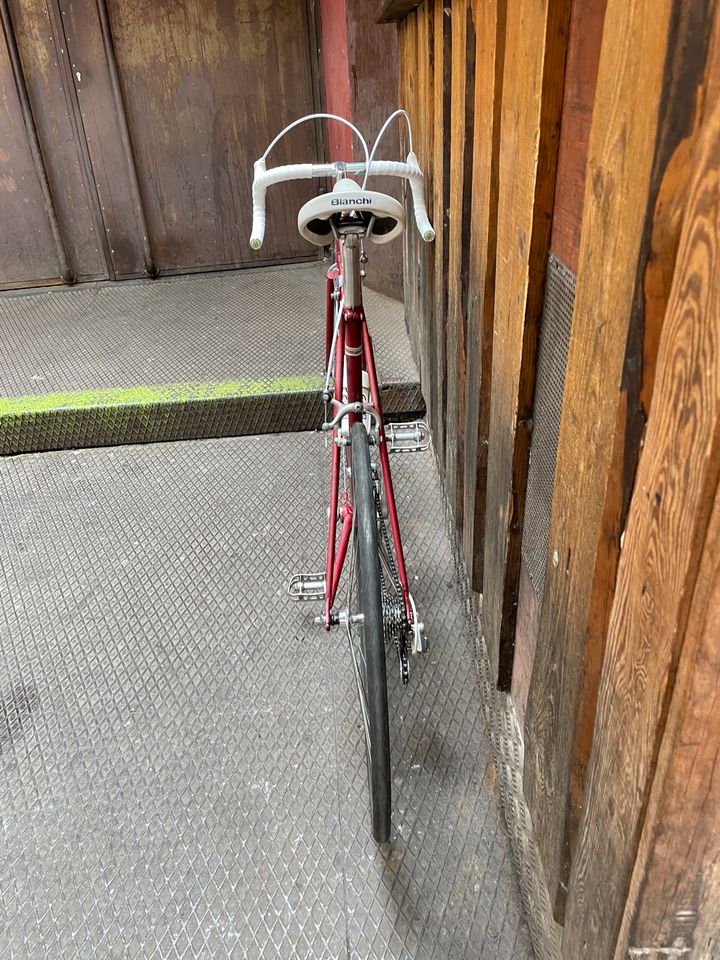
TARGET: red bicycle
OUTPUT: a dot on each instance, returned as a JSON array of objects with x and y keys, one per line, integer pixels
[{"x": 380, "y": 609}]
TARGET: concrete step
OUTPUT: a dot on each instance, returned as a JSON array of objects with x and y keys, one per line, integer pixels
[{"x": 191, "y": 357}]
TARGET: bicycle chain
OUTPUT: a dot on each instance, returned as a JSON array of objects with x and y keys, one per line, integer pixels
[{"x": 393, "y": 607}]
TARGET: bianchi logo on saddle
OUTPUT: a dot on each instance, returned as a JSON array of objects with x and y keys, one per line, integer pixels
[{"x": 350, "y": 201}]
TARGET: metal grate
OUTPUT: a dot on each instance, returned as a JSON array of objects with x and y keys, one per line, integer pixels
[
  {"x": 552, "y": 361},
  {"x": 254, "y": 324},
  {"x": 180, "y": 750}
]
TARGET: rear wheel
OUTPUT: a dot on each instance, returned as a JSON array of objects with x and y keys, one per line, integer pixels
[{"x": 367, "y": 635}]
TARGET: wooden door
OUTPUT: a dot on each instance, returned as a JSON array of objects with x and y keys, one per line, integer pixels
[
  {"x": 50, "y": 229},
  {"x": 146, "y": 117}
]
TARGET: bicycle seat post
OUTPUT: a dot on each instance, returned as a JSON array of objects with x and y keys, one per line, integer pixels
[{"x": 352, "y": 281}]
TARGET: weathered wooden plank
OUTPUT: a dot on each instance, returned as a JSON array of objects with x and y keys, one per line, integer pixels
[
  {"x": 536, "y": 39},
  {"x": 526, "y": 630},
  {"x": 442, "y": 62},
  {"x": 192, "y": 148},
  {"x": 489, "y": 20},
  {"x": 412, "y": 240},
  {"x": 667, "y": 526},
  {"x": 615, "y": 334},
  {"x": 48, "y": 74},
  {"x": 84, "y": 39},
  {"x": 583, "y": 54},
  {"x": 673, "y": 902},
  {"x": 424, "y": 150},
  {"x": 586, "y": 26},
  {"x": 429, "y": 372},
  {"x": 28, "y": 252},
  {"x": 652, "y": 291},
  {"x": 405, "y": 85},
  {"x": 459, "y": 212}
]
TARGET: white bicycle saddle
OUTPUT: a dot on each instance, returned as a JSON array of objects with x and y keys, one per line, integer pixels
[{"x": 382, "y": 217}]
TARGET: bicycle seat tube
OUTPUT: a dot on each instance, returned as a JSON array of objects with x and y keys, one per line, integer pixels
[
  {"x": 352, "y": 296},
  {"x": 352, "y": 284}
]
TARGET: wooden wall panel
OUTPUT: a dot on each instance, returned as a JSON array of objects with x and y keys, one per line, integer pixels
[
  {"x": 655, "y": 85},
  {"x": 673, "y": 901},
  {"x": 535, "y": 48},
  {"x": 462, "y": 78},
  {"x": 602, "y": 417},
  {"x": 526, "y": 631},
  {"x": 651, "y": 620},
  {"x": 83, "y": 34},
  {"x": 441, "y": 118},
  {"x": 51, "y": 90},
  {"x": 28, "y": 253},
  {"x": 490, "y": 20},
  {"x": 586, "y": 26},
  {"x": 148, "y": 118},
  {"x": 585, "y": 36},
  {"x": 206, "y": 86},
  {"x": 414, "y": 307},
  {"x": 424, "y": 256}
]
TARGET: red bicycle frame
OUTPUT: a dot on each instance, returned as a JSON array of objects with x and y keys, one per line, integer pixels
[{"x": 353, "y": 355}]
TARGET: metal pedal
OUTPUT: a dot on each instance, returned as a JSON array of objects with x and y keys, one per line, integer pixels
[
  {"x": 419, "y": 638},
  {"x": 307, "y": 586},
  {"x": 419, "y": 642},
  {"x": 412, "y": 437}
]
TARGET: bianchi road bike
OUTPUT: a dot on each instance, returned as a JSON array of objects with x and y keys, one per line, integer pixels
[{"x": 363, "y": 529}]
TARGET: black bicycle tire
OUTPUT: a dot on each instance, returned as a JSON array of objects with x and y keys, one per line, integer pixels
[{"x": 369, "y": 598}]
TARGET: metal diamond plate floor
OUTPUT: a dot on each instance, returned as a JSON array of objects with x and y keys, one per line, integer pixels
[
  {"x": 181, "y": 759},
  {"x": 179, "y": 358}
]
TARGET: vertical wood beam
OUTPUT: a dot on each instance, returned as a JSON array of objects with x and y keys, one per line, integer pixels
[
  {"x": 490, "y": 20},
  {"x": 409, "y": 99},
  {"x": 442, "y": 61},
  {"x": 631, "y": 221},
  {"x": 64, "y": 269},
  {"x": 461, "y": 91},
  {"x": 85, "y": 38},
  {"x": 424, "y": 127},
  {"x": 125, "y": 138},
  {"x": 535, "y": 47},
  {"x": 653, "y": 627},
  {"x": 673, "y": 898},
  {"x": 586, "y": 28}
]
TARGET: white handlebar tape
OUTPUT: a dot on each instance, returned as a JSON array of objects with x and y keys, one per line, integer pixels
[
  {"x": 305, "y": 171},
  {"x": 262, "y": 180},
  {"x": 418, "y": 195},
  {"x": 257, "y": 234}
]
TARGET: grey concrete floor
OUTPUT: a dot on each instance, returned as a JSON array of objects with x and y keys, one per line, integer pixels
[{"x": 182, "y": 765}]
